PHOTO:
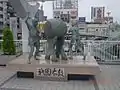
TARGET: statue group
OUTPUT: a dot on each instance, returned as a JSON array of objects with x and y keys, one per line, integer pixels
[{"x": 54, "y": 31}]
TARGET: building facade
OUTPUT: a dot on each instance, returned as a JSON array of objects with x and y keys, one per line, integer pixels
[
  {"x": 6, "y": 17},
  {"x": 66, "y": 10},
  {"x": 97, "y": 14},
  {"x": 3, "y": 15},
  {"x": 97, "y": 29}
]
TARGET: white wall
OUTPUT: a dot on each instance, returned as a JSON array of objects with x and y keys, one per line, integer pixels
[
  {"x": 25, "y": 34},
  {"x": 13, "y": 26}
]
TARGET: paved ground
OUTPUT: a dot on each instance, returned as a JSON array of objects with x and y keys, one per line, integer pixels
[
  {"x": 29, "y": 84},
  {"x": 5, "y": 75},
  {"x": 4, "y": 59},
  {"x": 109, "y": 79}
]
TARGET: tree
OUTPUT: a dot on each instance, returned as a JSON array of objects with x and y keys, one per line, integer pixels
[{"x": 8, "y": 45}]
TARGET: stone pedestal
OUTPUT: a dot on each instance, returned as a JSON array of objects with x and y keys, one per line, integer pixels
[{"x": 48, "y": 70}]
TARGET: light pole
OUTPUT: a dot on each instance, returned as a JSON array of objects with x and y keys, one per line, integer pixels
[{"x": 109, "y": 25}]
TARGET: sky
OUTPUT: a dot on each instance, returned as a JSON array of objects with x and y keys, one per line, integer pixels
[{"x": 85, "y": 5}]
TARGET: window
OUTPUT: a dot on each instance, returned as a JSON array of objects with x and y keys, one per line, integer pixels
[
  {"x": 1, "y": 2},
  {"x": 17, "y": 26},
  {"x": 18, "y": 20},
  {"x": 8, "y": 24},
  {"x": 103, "y": 30},
  {"x": 81, "y": 28},
  {"x": 0, "y": 38},
  {"x": 58, "y": 17},
  {"x": 65, "y": 17},
  {"x": 1, "y": 16},
  {"x": 1, "y": 9},
  {"x": 87, "y": 30},
  {"x": 1, "y": 23},
  {"x": 1, "y": 31}
]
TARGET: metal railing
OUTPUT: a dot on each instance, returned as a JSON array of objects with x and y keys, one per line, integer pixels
[
  {"x": 0, "y": 47},
  {"x": 107, "y": 51},
  {"x": 104, "y": 51}
]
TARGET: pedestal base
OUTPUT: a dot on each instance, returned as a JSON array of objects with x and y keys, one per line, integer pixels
[{"x": 48, "y": 70}]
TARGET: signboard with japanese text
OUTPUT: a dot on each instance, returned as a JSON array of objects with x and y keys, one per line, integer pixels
[
  {"x": 50, "y": 72},
  {"x": 97, "y": 12}
]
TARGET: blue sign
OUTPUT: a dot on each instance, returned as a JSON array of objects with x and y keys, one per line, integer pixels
[{"x": 82, "y": 19}]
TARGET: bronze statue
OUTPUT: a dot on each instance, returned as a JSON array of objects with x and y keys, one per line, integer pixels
[
  {"x": 34, "y": 38},
  {"x": 76, "y": 41},
  {"x": 54, "y": 31}
]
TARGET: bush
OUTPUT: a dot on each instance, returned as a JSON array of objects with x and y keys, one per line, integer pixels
[{"x": 8, "y": 45}]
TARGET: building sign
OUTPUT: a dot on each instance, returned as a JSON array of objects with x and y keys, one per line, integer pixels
[
  {"x": 50, "y": 72},
  {"x": 97, "y": 12},
  {"x": 82, "y": 20},
  {"x": 109, "y": 19}
]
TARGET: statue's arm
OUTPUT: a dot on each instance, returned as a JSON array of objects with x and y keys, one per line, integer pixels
[{"x": 26, "y": 21}]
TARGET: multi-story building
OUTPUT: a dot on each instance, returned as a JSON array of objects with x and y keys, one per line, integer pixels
[
  {"x": 66, "y": 10},
  {"x": 92, "y": 30},
  {"x": 3, "y": 15},
  {"x": 6, "y": 15},
  {"x": 98, "y": 15}
]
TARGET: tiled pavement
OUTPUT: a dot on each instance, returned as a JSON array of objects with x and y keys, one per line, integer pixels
[
  {"x": 29, "y": 84},
  {"x": 109, "y": 79},
  {"x": 5, "y": 75}
]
